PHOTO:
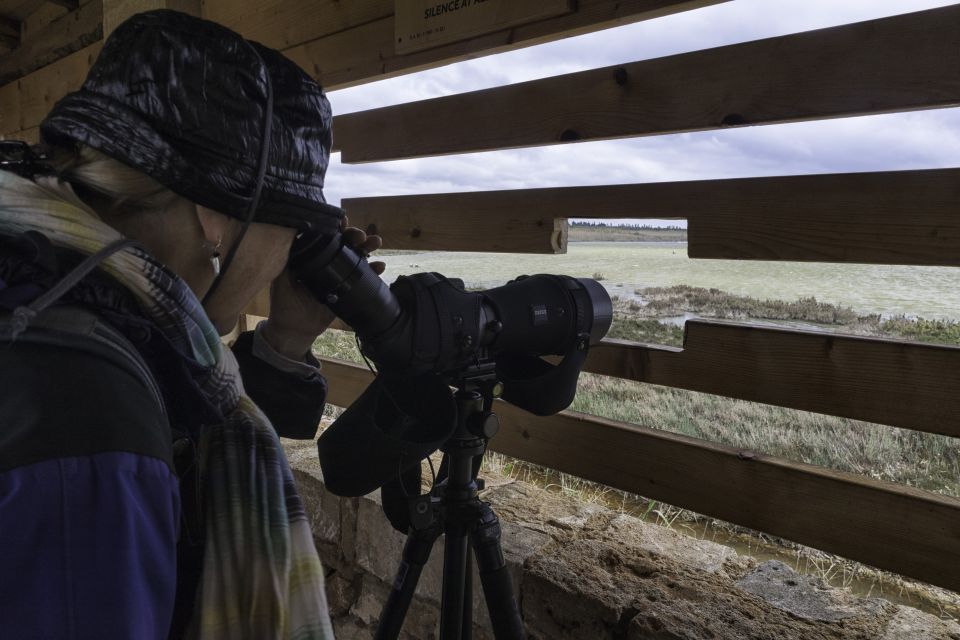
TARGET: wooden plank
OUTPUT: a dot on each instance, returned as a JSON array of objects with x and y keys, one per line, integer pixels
[
  {"x": 19, "y": 10},
  {"x": 40, "y": 18},
  {"x": 438, "y": 223},
  {"x": 116, "y": 11},
  {"x": 900, "y": 217},
  {"x": 10, "y": 108},
  {"x": 282, "y": 24},
  {"x": 9, "y": 27},
  {"x": 897, "y": 217},
  {"x": 893, "y": 64},
  {"x": 63, "y": 36},
  {"x": 898, "y": 383},
  {"x": 69, "y": 5},
  {"x": 366, "y": 52},
  {"x": 889, "y": 526},
  {"x": 30, "y": 135},
  {"x": 424, "y": 24},
  {"x": 41, "y": 89}
]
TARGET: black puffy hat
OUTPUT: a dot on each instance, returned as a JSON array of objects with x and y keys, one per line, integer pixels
[{"x": 184, "y": 100}]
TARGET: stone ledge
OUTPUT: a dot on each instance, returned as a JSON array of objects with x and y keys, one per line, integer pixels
[{"x": 586, "y": 572}]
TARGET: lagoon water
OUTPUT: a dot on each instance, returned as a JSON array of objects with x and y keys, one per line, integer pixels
[{"x": 929, "y": 292}]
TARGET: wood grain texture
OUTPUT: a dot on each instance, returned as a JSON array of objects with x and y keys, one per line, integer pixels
[
  {"x": 40, "y": 90},
  {"x": 19, "y": 10},
  {"x": 366, "y": 52},
  {"x": 415, "y": 31},
  {"x": 896, "y": 217},
  {"x": 31, "y": 135},
  {"x": 63, "y": 36},
  {"x": 41, "y": 18},
  {"x": 10, "y": 108},
  {"x": 899, "y": 383},
  {"x": 889, "y": 526},
  {"x": 116, "y": 11},
  {"x": 460, "y": 222},
  {"x": 893, "y": 64},
  {"x": 282, "y": 24}
]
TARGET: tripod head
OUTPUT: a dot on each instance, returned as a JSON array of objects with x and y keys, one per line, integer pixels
[
  {"x": 453, "y": 508},
  {"x": 473, "y": 393}
]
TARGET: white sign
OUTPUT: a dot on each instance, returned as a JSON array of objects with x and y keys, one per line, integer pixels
[{"x": 422, "y": 24}]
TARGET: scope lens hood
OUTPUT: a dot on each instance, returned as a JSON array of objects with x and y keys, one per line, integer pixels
[{"x": 397, "y": 422}]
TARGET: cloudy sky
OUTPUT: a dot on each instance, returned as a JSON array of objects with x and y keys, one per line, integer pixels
[{"x": 917, "y": 140}]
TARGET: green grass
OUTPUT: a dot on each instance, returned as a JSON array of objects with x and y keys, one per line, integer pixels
[
  {"x": 668, "y": 301},
  {"x": 923, "y": 460},
  {"x": 582, "y": 233},
  {"x": 936, "y": 331}
]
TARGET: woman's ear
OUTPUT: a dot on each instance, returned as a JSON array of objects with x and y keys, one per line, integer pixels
[{"x": 214, "y": 224}]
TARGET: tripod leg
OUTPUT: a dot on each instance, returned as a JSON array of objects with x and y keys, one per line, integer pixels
[
  {"x": 454, "y": 575},
  {"x": 466, "y": 632},
  {"x": 495, "y": 578},
  {"x": 416, "y": 552}
]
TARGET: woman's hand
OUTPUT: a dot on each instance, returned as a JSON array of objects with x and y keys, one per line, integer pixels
[{"x": 296, "y": 316}]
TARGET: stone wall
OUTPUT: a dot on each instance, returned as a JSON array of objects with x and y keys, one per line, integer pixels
[{"x": 586, "y": 572}]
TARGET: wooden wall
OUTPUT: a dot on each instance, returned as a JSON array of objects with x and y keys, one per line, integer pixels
[{"x": 895, "y": 217}]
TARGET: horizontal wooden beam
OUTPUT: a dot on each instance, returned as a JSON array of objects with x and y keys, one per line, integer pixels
[
  {"x": 898, "y": 217},
  {"x": 281, "y": 24},
  {"x": 40, "y": 90},
  {"x": 70, "y": 5},
  {"x": 63, "y": 36},
  {"x": 367, "y": 51},
  {"x": 893, "y": 64},
  {"x": 462, "y": 222},
  {"x": 893, "y": 527},
  {"x": 19, "y": 10},
  {"x": 898, "y": 383}
]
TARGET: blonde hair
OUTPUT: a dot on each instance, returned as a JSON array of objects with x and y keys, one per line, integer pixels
[{"x": 110, "y": 187}]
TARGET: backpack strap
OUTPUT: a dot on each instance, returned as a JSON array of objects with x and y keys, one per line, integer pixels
[{"x": 73, "y": 327}]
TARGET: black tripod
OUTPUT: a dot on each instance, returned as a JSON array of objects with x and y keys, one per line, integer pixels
[{"x": 454, "y": 509}]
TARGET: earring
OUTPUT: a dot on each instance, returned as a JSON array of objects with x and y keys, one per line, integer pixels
[{"x": 215, "y": 257}]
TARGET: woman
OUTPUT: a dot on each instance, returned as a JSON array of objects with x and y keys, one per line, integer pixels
[{"x": 143, "y": 494}]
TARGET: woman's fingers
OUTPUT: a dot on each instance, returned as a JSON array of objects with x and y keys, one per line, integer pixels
[
  {"x": 372, "y": 243},
  {"x": 357, "y": 239},
  {"x": 354, "y": 237},
  {"x": 378, "y": 267}
]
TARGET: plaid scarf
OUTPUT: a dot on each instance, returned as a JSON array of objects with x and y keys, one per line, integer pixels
[{"x": 262, "y": 578}]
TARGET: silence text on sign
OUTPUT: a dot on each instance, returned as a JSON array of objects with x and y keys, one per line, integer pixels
[{"x": 422, "y": 24}]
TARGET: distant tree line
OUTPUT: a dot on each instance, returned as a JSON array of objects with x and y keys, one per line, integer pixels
[{"x": 591, "y": 224}]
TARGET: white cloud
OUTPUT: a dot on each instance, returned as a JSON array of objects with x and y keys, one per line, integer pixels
[{"x": 913, "y": 140}]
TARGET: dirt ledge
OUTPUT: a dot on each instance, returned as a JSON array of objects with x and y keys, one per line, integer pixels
[{"x": 587, "y": 572}]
